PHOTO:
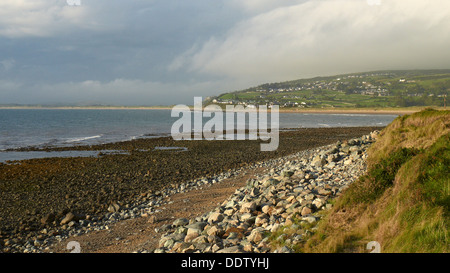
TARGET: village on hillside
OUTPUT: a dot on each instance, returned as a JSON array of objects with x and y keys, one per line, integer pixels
[{"x": 383, "y": 89}]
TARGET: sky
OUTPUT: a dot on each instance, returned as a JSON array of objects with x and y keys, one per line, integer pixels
[{"x": 165, "y": 52}]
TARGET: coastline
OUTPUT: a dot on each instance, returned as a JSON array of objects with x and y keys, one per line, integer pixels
[
  {"x": 91, "y": 185},
  {"x": 229, "y": 214},
  {"x": 368, "y": 111},
  {"x": 350, "y": 111},
  {"x": 86, "y": 108},
  {"x": 278, "y": 209}
]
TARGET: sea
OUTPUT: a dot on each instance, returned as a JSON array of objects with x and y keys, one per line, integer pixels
[{"x": 47, "y": 128}]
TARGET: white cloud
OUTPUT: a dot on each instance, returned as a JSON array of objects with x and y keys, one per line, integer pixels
[
  {"x": 43, "y": 18},
  {"x": 207, "y": 47},
  {"x": 327, "y": 37}
]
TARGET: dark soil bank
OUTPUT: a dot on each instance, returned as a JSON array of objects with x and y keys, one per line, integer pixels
[{"x": 36, "y": 188}]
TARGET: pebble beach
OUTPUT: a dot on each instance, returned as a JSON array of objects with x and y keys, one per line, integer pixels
[
  {"x": 297, "y": 186},
  {"x": 310, "y": 168}
]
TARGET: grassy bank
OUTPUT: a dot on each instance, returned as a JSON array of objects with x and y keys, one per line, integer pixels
[{"x": 403, "y": 201}]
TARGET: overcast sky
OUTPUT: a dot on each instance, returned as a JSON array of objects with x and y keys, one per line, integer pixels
[{"x": 153, "y": 52}]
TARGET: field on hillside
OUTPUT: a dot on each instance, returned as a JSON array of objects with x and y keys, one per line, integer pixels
[{"x": 360, "y": 90}]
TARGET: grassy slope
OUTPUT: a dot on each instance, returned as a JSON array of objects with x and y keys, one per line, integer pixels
[
  {"x": 403, "y": 202},
  {"x": 420, "y": 81}
]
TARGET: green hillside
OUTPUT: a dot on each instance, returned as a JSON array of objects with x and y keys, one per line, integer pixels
[
  {"x": 359, "y": 90},
  {"x": 404, "y": 200}
]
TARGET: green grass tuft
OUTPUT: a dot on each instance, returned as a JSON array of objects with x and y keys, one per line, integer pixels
[{"x": 403, "y": 201}]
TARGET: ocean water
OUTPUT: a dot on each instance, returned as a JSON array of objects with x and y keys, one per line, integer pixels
[
  {"x": 59, "y": 127},
  {"x": 40, "y": 128}
]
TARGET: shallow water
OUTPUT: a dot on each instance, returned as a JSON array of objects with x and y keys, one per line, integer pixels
[
  {"x": 20, "y": 128},
  {"x": 6, "y": 156},
  {"x": 49, "y": 128}
]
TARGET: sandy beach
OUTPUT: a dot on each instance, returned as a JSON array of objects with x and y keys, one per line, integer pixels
[{"x": 368, "y": 111}]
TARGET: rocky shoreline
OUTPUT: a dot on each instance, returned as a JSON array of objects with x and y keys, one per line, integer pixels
[
  {"x": 244, "y": 221},
  {"x": 292, "y": 194}
]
